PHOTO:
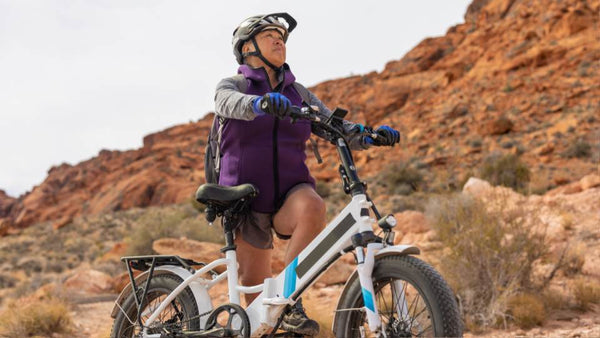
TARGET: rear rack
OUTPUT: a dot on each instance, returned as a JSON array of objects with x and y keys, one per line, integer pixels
[{"x": 144, "y": 263}]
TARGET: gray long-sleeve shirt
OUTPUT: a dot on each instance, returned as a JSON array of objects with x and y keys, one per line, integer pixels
[{"x": 231, "y": 102}]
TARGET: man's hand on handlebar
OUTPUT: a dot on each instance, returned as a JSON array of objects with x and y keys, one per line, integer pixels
[
  {"x": 274, "y": 104},
  {"x": 382, "y": 136}
]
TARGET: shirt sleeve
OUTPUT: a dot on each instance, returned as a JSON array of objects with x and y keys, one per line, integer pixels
[{"x": 231, "y": 103}]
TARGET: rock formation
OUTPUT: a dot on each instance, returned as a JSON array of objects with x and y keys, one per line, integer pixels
[{"x": 518, "y": 76}]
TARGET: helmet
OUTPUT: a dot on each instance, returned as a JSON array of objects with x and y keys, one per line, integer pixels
[{"x": 283, "y": 22}]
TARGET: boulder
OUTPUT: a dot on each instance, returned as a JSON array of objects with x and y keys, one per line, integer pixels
[
  {"x": 89, "y": 281},
  {"x": 477, "y": 187},
  {"x": 590, "y": 181},
  {"x": 411, "y": 221}
]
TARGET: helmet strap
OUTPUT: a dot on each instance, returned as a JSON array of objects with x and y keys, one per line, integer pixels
[{"x": 258, "y": 54}]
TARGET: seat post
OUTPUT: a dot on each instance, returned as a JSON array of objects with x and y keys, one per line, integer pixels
[{"x": 229, "y": 226}]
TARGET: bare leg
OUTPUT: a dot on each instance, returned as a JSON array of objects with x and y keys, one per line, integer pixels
[
  {"x": 302, "y": 216},
  {"x": 254, "y": 265}
]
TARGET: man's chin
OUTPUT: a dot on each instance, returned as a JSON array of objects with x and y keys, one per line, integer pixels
[{"x": 277, "y": 64}]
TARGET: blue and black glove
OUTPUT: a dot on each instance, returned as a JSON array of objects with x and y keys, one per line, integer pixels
[
  {"x": 274, "y": 104},
  {"x": 383, "y": 136}
]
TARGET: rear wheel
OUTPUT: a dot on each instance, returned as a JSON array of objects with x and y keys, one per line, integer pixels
[
  {"x": 180, "y": 315},
  {"x": 412, "y": 300}
]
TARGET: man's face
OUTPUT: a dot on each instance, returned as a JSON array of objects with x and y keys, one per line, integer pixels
[{"x": 272, "y": 46}]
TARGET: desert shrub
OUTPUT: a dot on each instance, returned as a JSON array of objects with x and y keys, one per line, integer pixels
[
  {"x": 112, "y": 268},
  {"x": 506, "y": 170},
  {"x": 78, "y": 246},
  {"x": 555, "y": 299},
  {"x": 401, "y": 179},
  {"x": 475, "y": 142},
  {"x": 586, "y": 292},
  {"x": 491, "y": 251},
  {"x": 7, "y": 280},
  {"x": 527, "y": 310},
  {"x": 573, "y": 260},
  {"x": 31, "y": 265},
  {"x": 159, "y": 223},
  {"x": 579, "y": 149},
  {"x": 36, "y": 317},
  {"x": 399, "y": 203}
]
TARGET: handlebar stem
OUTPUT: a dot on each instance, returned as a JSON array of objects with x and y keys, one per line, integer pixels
[{"x": 354, "y": 183}]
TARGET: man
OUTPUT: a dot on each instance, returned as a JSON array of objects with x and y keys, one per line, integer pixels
[{"x": 261, "y": 146}]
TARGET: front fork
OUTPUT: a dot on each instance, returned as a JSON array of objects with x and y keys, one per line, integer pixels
[{"x": 365, "y": 263}]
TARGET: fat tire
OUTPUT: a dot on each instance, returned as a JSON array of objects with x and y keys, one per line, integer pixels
[
  {"x": 436, "y": 294},
  {"x": 159, "y": 285}
]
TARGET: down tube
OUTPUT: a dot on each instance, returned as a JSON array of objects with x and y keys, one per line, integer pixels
[{"x": 303, "y": 270}]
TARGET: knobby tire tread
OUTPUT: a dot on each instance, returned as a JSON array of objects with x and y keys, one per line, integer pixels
[{"x": 409, "y": 268}]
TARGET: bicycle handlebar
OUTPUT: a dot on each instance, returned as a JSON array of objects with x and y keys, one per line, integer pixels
[{"x": 330, "y": 124}]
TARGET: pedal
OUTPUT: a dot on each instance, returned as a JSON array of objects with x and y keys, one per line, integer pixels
[{"x": 277, "y": 301}]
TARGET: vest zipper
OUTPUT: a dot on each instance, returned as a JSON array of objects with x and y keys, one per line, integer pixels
[
  {"x": 275, "y": 165},
  {"x": 276, "y": 202}
]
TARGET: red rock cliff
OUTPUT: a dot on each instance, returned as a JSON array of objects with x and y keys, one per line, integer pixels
[{"x": 517, "y": 76}]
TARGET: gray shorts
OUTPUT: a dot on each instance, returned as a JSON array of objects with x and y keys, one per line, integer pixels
[{"x": 259, "y": 233}]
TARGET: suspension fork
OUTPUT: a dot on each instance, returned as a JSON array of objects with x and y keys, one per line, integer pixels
[{"x": 365, "y": 259}]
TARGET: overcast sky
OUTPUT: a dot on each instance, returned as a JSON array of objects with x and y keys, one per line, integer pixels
[{"x": 78, "y": 76}]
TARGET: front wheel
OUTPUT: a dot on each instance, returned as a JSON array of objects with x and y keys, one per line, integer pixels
[
  {"x": 412, "y": 300},
  {"x": 181, "y": 314}
]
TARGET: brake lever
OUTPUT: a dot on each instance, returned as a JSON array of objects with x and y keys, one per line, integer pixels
[{"x": 306, "y": 113}]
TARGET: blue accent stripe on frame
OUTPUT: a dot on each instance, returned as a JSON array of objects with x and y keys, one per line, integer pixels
[
  {"x": 289, "y": 285},
  {"x": 368, "y": 299}
]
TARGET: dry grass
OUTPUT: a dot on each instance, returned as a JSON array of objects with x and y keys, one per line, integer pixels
[
  {"x": 586, "y": 293},
  {"x": 527, "y": 310},
  {"x": 401, "y": 179},
  {"x": 574, "y": 260},
  {"x": 506, "y": 170},
  {"x": 32, "y": 317},
  {"x": 490, "y": 255},
  {"x": 567, "y": 220},
  {"x": 555, "y": 299}
]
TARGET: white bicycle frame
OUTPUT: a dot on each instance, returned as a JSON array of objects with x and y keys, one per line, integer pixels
[
  {"x": 276, "y": 293},
  {"x": 299, "y": 275}
]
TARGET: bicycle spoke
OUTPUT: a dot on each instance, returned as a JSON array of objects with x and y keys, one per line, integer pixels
[{"x": 420, "y": 333}]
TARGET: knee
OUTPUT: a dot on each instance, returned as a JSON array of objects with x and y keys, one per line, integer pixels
[
  {"x": 315, "y": 208},
  {"x": 315, "y": 211}
]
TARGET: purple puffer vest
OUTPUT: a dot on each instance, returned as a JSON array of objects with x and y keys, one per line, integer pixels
[{"x": 266, "y": 151}]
